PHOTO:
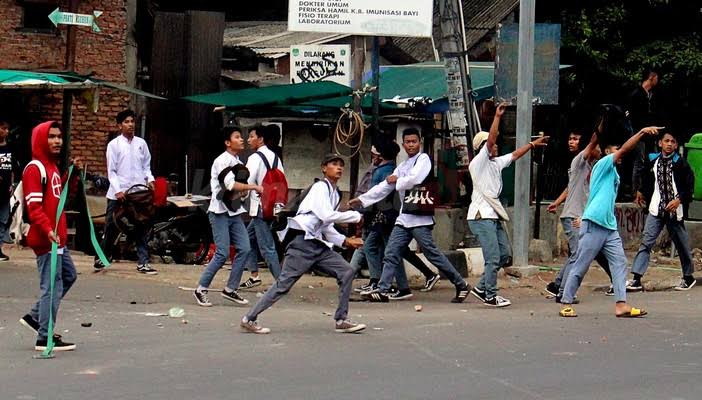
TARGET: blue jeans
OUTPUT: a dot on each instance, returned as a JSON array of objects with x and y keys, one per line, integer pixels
[
  {"x": 359, "y": 256},
  {"x": 65, "y": 277},
  {"x": 496, "y": 251},
  {"x": 227, "y": 230},
  {"x": 397, "y": 245},
  {"x": 593, "y": 240},
  {"x": 573, "y": 233},
  {"x": 678, "y": 234},
  {"x": 374, "y": 247},
  {"x": 261, "y": 240},
  {"x": 4, "y": 221}
]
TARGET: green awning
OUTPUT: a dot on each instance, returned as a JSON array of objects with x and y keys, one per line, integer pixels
[
  {"x": 272, "y": 95},
  {"x": 14, "y": 79},
  {"x": 418, "y": 80}
]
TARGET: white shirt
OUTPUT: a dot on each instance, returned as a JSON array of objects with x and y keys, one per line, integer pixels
[
  {"x": 656, "y": 197},
  {"x": 257, "y": 170},
  {"x": 128, "y": 164},
  {"x": 223, "y": 161},
  {"x": 317, "y": 215},
  {"x": 409, "y": 173},
  {"x": 486, "y": 174}
]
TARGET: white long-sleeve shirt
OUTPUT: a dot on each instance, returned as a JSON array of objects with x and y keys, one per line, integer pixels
[
  {"x": 316, "y": 215},
  {"x": 128, "y": 164},
  {"x": 257, "y": 170},
  {"x": 410, "y": 172},
  {"x": 223, "y": 161}
]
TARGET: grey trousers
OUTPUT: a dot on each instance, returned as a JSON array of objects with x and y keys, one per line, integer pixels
[{"x": 300, "y": 256}]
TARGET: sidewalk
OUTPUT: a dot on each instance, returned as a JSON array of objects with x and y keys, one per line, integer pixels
[{"x": 663, "y": 274}]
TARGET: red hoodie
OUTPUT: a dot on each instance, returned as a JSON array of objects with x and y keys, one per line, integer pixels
[{"x": 42, "y": 202}]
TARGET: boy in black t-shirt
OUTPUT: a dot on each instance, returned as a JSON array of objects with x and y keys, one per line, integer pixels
[{"x": 8, "y": 167}]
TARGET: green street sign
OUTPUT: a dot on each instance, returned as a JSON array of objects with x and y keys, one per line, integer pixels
[{"x": 66, "y": 18}]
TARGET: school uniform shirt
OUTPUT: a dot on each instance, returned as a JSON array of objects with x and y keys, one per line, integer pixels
[
  {"x": 223, "y": 161},
  {"x": 128, "y": 164},
  {"x": 578, "y": 187},
  {"x": 654, "y": 206},
  {"x": 486, "y": 174},
  {"x": 257, "y": 171},
  {"x": 409, "y": 173},
  {"x": 604, "y": 184},
  {"x": 316, "y": 215}
]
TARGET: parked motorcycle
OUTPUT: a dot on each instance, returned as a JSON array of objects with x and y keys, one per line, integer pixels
[{"x": 178, "y": 234}]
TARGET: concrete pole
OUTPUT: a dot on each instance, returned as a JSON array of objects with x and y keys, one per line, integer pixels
[{"x": 525, "y": 86}]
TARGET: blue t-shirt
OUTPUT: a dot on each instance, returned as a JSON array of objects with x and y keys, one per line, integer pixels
[{"x": 604, "y": 183}]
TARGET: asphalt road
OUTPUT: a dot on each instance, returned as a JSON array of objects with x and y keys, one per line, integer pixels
[{"x": 447, "y": 351}]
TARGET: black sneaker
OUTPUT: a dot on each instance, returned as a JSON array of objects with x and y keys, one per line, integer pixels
[
  {"x": 401, "y": 295},
  {"x": 430, "y": 283},
  {"x": 365, "y": 288},
  {"x": 98, "y": 265},
  {"x": 234, "y": 296},
  {"x": 33, "y": 325},
  {"x": 610, "y": 291},
  {"x": 497, "y": 301},
  {"x": 552, "y": 289},
  {"x": 29, "y": 322},
  {"x": 461, "y": 293},
  {"x": 251, "y": 282},
  {"x": 146, "y": 269},
  {"x": 634, "y": 286},
  {"x": 686, "y": 283},
  {"x": 479, "y": 294},
  {"x": 59, "y": 345},
  {"x": 4, "y": 257},
  {"x": 202, "y": 299},
  {"x": 376, "y": 297}
]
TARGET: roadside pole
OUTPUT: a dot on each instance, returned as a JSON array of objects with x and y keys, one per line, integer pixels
[
  {"x": 70, "y": 66},
  {"x": 359, "y": 59},
  {"x": 525, "y": 86}
]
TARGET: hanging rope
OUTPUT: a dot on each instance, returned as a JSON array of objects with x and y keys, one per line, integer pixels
[
  {"x": 349, "y": 132},
  {"x": 350, "y": 128}
]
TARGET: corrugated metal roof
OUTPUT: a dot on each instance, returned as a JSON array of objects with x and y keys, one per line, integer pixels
[
  {"x": 480, "y": 16},
  {"x": 271, "y": 38}
]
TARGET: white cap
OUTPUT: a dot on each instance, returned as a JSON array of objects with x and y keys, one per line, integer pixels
[{"x": 479, "y": 138}]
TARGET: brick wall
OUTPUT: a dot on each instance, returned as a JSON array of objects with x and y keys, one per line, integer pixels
[{"x": 102, "y": 54}]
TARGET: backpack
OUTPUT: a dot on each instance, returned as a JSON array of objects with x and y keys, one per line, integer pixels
[
  {"x": 280, "y": 222},
  {"x": 232, "y": 198},
  {"x": 18, "y": 221},
  {"x": 275, "y": 189}
]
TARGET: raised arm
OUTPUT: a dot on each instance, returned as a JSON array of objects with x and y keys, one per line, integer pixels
[
  {"x": 495, "y": 127},
  {"x": 631, "y": 143}
]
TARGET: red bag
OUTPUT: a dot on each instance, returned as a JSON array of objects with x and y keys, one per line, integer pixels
[
  {"x": 275, "y": 189},
  {"x": 160, "y": 192}
]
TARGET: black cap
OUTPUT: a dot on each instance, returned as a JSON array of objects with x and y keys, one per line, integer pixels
[{"x": 329, "y": 157}]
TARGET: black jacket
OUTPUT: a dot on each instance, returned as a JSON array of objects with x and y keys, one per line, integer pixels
[{"x": 682, "y": 175}]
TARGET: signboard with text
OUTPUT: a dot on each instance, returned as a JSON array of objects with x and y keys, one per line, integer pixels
[
  {"x": 362, "y": 17},
  {"x": 312, "y": 63}
]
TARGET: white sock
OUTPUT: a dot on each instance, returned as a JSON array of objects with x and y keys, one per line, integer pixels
[{"x": 201, "y": 288}]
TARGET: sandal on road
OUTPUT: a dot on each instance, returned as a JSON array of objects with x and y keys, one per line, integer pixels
[
  {"x": 633, "y": 313},
  {"x": 568, "y": 312}
]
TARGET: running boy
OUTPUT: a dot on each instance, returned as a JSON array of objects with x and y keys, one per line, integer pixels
[{"x": 311, "y": 236}]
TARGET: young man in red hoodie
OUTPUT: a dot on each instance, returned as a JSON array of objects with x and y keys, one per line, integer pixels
[{"x": 42, "y": 200}]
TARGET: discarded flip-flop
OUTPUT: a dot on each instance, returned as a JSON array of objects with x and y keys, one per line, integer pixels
[
  {"x": 568, "y": 312},
  {"x": 633, "y": 313}
]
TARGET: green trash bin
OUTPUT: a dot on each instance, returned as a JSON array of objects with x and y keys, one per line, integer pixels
[{"x": 693, "y": 148}]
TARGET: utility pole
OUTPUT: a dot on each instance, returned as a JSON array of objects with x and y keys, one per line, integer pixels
[
  {"x": 525, "y": 87},
  {"x": 462, "y": 121},
  {"x": 359, "y": 59}
]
